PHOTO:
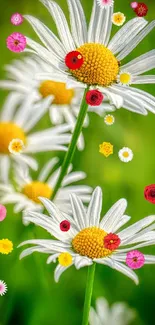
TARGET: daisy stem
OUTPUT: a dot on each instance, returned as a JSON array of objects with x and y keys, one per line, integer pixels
[
  {"x": 88, "y": 293},
  {"x": 72, "y": 147}
]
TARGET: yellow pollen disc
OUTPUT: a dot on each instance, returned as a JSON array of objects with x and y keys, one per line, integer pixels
[
  {"x": 65, "y": 259},
  {"x": 106, "y": 148},
  {"x": 8, "y": 132},
  {"x": 61, "y": 94},
  {"x": 125, "y": 78},
  {"x": 90, "y": 242},
  {"x": 125, "y": 154},
  {"x": 34, "y": 189},
  {"x": 6, "y": 246},
  {"x": 100, "y": 67}
]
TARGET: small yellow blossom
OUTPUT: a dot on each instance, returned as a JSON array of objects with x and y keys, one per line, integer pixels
[
  {"x": 6, "y": 246},
  {"x": 106, "y": 148},
  {"x": 65, "y": 259},
  {"x": 124, "y": 78},
  {"x": 109, "y": 119},
  {"x": 16, "y": 146},
  {"x": 118, "y": 18}
]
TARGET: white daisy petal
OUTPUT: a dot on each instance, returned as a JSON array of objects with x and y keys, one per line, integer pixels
[
  {"x": 47, "y": 37},
  {"x": 141, "y": 64},
  {"x": 78, "y": 22},
  {"x": 79, "y": 213},
  {"x": 47, "y": 169},
  {"x": 94, "y": 208},
  {"x": 81, "y": 261},
  {"x": 59, "y": 270},
  {"x": 131, "y": 230},
  {"x": 114, "y": 215},
  {"x": 61, "y": 23},
  {"x": 126, "y": 33},
  {"x": 135, "y": 41}
]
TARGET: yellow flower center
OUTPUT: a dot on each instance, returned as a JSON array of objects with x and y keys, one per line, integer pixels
[
  {"x": 109, "y": 119},
  {"x": 61, "y": 94},
  {"x": 125, "y": 78},
  {"x": 90, "y": 242},
  {"x": 35, "y": 189},
  {"x": 125, "y": 154},
  {"x": 100, "y": 67},
  {"x": 8, "y": 132},
  {"x": 65, "y": 259},
  {"x": 6, "y": 246},
  {"x": 106, "y": 148}
]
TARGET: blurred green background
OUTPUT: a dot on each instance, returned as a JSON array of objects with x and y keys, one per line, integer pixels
[{"x": 33, "y": 297}]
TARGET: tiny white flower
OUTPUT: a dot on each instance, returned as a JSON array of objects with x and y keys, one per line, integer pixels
[
  {"x": 124, "y": 78},
  {"x": 105, "y": 3},
  {"x": 109, "y": 119},
  {"x": 125, "y": 154},
  {"x": 3, "y": 288}
]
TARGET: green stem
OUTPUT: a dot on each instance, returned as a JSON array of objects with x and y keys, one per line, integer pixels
[
  {"x": 71, "y": 150},
  {"x": 88, "y": 293}
]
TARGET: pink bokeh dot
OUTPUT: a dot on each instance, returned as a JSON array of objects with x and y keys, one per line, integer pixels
[
  {"x": 17, "y": 19},
  {"x": 3, "y": 212}
]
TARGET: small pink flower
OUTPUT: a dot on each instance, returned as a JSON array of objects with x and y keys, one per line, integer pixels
[
  {"x": 16, "y": 42},
  {"x": 134, "y": 5},
  {"x": 3, "y": 288},
  {"x": 105, "y": 3},
  {"x": 135, "y": 259},
  {"x": 17, "y": 19},
  {"x": 3, "y": 212}
]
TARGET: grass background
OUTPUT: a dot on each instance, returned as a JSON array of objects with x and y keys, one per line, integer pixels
[{"x": 33, "y": 297}]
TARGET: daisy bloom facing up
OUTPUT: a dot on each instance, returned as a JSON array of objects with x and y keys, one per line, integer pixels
[
  {"x": 118, "y": 314},
  {"x": 17, "y": 123},
  {"x": 125, "y": 154},
  {"x": 90, "y": 240},
  {"x": 27, "y": 77},
  {"x": 118, "y": 18},
  {"x": 3, "y": 288},
  {"x": 26, "y": 196},
  {"x": 102, "y": 57}
]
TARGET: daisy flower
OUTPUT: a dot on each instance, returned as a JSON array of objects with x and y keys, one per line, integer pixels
[
  {"x": 102, "y": 57},
  {"x": 119, "y": 313},
  {"x": 87, "y": 239},
  {"x": 26, "y": 195},
  {"x": 16, "y": 146},
  {"x": 27, "y": 77},
  {"x": 17, "y": 123},
  {"x": 3, "y": 288},
  {"x": 125, "y": 154}
]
